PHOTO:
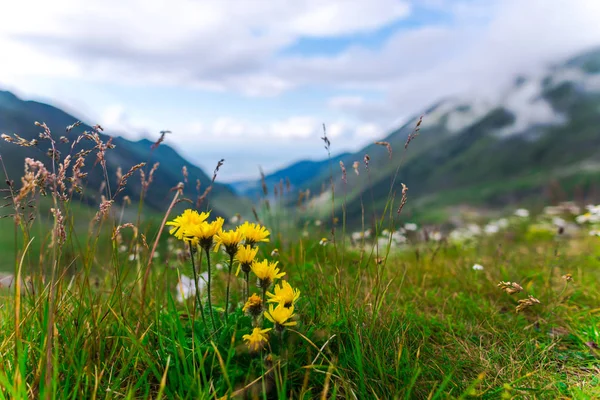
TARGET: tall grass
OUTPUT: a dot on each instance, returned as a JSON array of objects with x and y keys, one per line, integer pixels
[{"x": 82, "y": 320}]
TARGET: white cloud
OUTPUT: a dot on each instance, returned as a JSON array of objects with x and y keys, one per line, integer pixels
[
  {"x": 368, "y": 132},
  {"x": 116, "y": 119},
  {"x": 336, "y": 129},
  {"x": 227, "y": 127},
  {"x": 529, "y": 109},
  {"x": 346, "y": 102},
  {"x": 222, "y": 44},
  {"x": 304, "y": 128},
  {"x": 295, "y": 128}
]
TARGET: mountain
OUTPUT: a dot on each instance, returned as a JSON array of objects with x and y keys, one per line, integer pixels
[
  {"x": 18, "y": 116},
  {"x": 297, "y": 174},
  {"x": 541, "y": 131}
]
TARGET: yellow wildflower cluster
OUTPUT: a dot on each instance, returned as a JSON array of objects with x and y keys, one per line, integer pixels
[{"x": 241, "y": 244}]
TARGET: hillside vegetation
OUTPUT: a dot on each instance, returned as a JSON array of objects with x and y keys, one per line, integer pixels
[{"x": 539, "y": 133}]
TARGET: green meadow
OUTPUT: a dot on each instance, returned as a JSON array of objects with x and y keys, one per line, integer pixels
[{"x": 118, "y": 301}]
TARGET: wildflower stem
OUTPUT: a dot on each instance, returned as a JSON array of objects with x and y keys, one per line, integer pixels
[
  {"x": 210, "y": 309},
  {"x": 264, "y": 294},
  {"x": 228, "y": 284},
  {"x": 247, "y": 278},
  {"x": 196, "y": 285}
]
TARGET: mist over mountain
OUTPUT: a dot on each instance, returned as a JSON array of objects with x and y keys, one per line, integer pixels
[{"x": 543, "y": 129}]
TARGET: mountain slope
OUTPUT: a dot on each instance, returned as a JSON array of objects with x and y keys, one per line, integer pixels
[
  {"x": 297, "y": 174},
  {"x": 18, "y": 116},
  {"x": 469, "y": 151}
]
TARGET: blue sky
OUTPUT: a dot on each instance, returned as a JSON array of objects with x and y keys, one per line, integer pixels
[{"x": 253, "y": 81}]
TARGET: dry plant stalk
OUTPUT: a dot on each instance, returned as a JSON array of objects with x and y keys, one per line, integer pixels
[
  {"x": 184, "y": 172},
  {"x": 510, "y": 287},
  {"x": 526, "y": 303},
  {"x": 201, "y": 199},
  {"x": 343, "y": 172},
  {"x": 59, "y": 234},
  {"x": 19, "y": 141},
  {"x": 263, "y": 183},
  {"x": 414, "y": 133},
  {"x": 179, "y": 192},
  {"x": 147, "y": 182},
  {"x": 71, "y": 127},
  {"x": 104, "y": 209},
  {"x": 219, "y": 165},
  {"x": 160, "y": 140},
  {"x": 123, "y": 180},
  {"x": 117, "y": 231},
  {"x": 404, "y": 198},
  {"x": 325, "y": 140},
  {"x": 355, "y": 166},
  {"x": 387, "y": 146}
]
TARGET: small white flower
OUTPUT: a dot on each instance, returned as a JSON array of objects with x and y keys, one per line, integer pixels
[
  {"x": 318, "y": 222},
  {"x": 436, "y": 236},
  {"x": 474, "y": 229},
  {"x": 502, "y": 223},
  {"x": 521, "y": 212},
  {"x": 594, "y": 232},
  {"x": 398, "y": 237},
  {"x": 122, "y": 248},
  {"x": 477, "y": 267},
  {"x": 593, "y": 209},
  {"x": 491, "y": 228},
  {"x": 552, "y": 210},
  {"x": 235, "y": 219},
  {"x": 219, "y": 266},
  {"x": 383, "y": 242},
  {"x": 275, "y": 253},
  {"x": 559, "y": 222},
  {"x": 156, "y": 254},
  {"x": 305, "y": 233},
  {"x": 186, "y": 287},
  {"x": 410, "y": 227},
  {"x": 131, "y": 257}
]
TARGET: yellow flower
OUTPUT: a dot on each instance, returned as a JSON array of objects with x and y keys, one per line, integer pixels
[
  {"x": 266, "y": 272},
  {"x": 257, "y": 339},
  {"x": 284, "y": 295},
  {"x": 280, "y": 316},
  {"x": 205, "y": 232},
  {"x": 254, "y": 233},
  {"x": 230, "y": 239},
  {"x": 254, "y": 305},
  {"x": 185, "y": 221},
  {"x": 245, "y": 256}
]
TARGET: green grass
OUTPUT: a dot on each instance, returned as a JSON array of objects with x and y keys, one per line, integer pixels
[
  {"x": 412, "y": 323},
  {"x": 421, "y": 325}
]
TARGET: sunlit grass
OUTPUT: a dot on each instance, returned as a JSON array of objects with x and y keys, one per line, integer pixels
[{"x": 396, "y": 314}]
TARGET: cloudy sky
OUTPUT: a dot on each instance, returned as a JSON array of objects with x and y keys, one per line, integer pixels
[{"x": 253, "y": 81}]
